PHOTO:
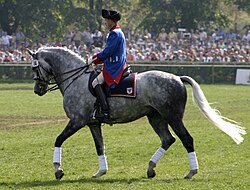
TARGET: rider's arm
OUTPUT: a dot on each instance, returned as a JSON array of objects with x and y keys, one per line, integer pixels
[{"x": 110, "y": 48}]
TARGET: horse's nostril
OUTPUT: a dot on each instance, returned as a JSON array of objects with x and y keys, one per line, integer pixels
[
  {"x": 39, "y": 90},
  {"x": 36, "y": 88}
]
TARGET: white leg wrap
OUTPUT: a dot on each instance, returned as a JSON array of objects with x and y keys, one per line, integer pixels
[
  {"x": 57, "y": 155},
  {"x": 157, "y": 156},
  {"x": 193, "y": 163},
  {"x": 102, "y": 162}
]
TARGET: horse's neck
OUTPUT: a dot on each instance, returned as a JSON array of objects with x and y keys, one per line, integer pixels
[
  {"x": 63, "y": 60},
  {"x": 66, "y": 66},
  {"x": 75, "y": 84}
]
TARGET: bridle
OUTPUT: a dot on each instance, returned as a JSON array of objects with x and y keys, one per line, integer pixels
[{"x": 74, "y": 74}]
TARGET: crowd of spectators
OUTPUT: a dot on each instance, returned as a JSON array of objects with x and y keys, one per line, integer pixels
[
  {"x": 181, "y": 45},
  {"x": 191, "y": 46}
]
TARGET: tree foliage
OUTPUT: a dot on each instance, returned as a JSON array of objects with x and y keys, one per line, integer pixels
[
  {"x": 54, "y": 16},
  {"x": 182, "y": 13},
  {"x": 243, "y": 4},
  {"x": 49, "y": 16}
]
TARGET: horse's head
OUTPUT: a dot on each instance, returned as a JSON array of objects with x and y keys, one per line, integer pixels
[
  {"x": 57, "y": 66},
  {"x": 42, "y": 73}
]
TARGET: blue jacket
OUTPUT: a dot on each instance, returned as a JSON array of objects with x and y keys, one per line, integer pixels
[{"x": 113, "y": 56}]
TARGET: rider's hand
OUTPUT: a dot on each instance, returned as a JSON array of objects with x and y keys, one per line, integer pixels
[
  {"x": 93, "y": 60},
  {"x": 90, "y": 60},
  {"x": 93, "y": 65}
]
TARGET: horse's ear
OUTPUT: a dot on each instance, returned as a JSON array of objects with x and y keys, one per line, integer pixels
[{"x": 31, "y": 52}]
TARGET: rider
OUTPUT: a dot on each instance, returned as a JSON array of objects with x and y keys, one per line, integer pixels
[{"x": 114, "y": 58}]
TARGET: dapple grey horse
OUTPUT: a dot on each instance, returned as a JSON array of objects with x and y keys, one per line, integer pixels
[{"x": 161, "y": 97}]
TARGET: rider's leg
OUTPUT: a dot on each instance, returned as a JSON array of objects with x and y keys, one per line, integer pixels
[{"x": 101, "y": 97}]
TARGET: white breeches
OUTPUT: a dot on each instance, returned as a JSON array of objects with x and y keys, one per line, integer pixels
[{"x": 98, "y": 80}]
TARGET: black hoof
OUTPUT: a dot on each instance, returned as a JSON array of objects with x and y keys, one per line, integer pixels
[
  {"x": 151, "y": 174},
  {"x": 59, "y": 174},
  {"x": 191, "y": 174}
]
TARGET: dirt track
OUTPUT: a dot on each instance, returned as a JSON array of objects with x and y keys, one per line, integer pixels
[
  {"x": 16, "y": 88},
  {"x": 10, "y": 122}
]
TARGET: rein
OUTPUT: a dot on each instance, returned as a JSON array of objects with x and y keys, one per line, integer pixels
[{"x": 76, "y": 71}]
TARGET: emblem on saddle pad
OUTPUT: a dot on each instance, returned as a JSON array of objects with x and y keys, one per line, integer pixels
[
  {"x": 130, "y": 90},
  {"x": 126, "y": 87}
]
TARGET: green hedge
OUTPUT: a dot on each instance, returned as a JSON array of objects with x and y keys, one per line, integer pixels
[
  {"x": 208, "y": 75},
  {"x": 17, "y": 73},
  {"x": 203, "y": 72}
]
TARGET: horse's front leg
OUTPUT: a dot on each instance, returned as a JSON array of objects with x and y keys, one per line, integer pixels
[
  {"x": 70, "y": 129},
  {"x": 96, "y": 132}
]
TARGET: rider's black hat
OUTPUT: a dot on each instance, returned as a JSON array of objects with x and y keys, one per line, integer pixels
[{"x": 111, "y": 14}]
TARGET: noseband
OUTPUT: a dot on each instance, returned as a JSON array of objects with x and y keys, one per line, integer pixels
[
  {"x": 36, "y": 67},
  {"x": 75, "y": 74}
]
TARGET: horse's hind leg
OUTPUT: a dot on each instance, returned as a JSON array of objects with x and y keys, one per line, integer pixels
[
  {"x": 160, "y": 126},
  {"x": 187, "y": 141}
]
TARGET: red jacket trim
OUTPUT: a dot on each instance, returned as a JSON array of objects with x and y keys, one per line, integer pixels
[{"x": 96, "y": 59}]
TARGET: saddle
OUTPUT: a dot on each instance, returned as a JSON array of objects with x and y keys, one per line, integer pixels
[{"x": 126, "y": 87}]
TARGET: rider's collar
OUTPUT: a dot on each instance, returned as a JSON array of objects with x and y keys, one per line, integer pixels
[{"x": 115, "y": 27}]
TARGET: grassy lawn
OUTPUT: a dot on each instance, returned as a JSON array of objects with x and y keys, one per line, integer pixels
[{"x": 30, "y": 124}]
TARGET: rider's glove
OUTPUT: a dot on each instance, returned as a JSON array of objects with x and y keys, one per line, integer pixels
[
  {"x": 93, "y": 65},
  {"x": 94, "y": 60},
  {"x": 90, "y": 61}
]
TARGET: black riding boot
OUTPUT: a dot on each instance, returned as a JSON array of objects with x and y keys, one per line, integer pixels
[{"x": 104, "y": 113}]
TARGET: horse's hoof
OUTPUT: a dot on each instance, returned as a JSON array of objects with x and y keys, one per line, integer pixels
[
  {"x": 99, "y": 173},
  {"x": 191, "y": 174},
  {"x": 151, "y": 173},
  {"x": 59, "y": 174}
]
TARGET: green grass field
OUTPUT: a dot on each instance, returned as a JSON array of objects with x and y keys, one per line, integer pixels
[{"x": 30, "y": 124}]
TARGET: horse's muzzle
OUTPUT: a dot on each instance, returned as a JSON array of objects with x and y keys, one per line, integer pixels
[{"x": 40, "y": 88}]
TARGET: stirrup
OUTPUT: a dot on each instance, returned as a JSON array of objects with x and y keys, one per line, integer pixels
[
  {"x": 93, "y": 114},
  {"x": 101, "y": 115}
]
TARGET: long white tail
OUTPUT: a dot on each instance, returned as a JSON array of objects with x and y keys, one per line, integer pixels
[{"x": 230, "y": 127}]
